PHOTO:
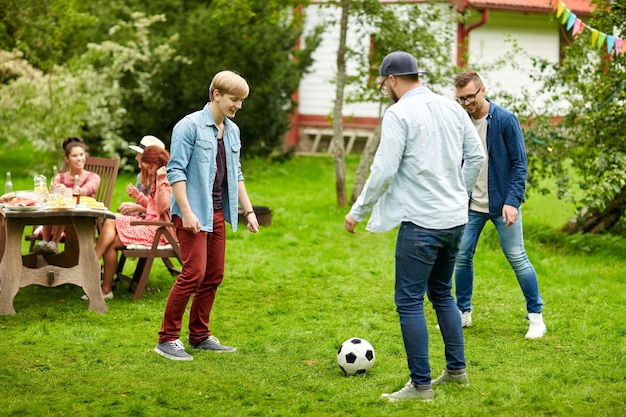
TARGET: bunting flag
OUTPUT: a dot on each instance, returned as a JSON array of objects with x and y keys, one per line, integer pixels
[
  {"x": 598, "y": 38},
  {"x": 610, "y": 41},
  {"x": 594, "y": 36},
  {"x": 578, "y": 27},
  {"x": 601, "y": 39},
  {"x": 571, "y": 19},
  {"x": 565, "y": 16}
]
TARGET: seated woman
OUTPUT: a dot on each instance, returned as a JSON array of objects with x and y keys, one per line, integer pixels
[
  {"x": 134, "y": 208},
  {"x": 117, "y": 233},
  {"x": 75, "y": 156}
]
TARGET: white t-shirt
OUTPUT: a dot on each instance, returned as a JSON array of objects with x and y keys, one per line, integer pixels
[{"x": 480, "y": 194}]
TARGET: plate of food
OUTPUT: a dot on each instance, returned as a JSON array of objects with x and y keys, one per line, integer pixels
[
  {"x": 22, "y": 204},
  {"x": 22, "y": 208},
  {"x": 95, "y": 205}
]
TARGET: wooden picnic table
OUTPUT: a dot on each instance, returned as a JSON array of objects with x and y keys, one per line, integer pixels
[{"x": 77, "y": 264}]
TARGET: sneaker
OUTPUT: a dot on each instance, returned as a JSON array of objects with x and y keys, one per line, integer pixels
[
  {"x": 174, "y": 350},
  {"x": 41, "y": 246},
  {"x": 459, "y": 377},
  {"x": 211, "y": 343},
  {"x": 108, "y": 296},
  {"x": 410, "y": 391},
  {"x": 466, "y": 318},
  {"x": 537, "y": 327},
  {"x": 51, "y": 247}
]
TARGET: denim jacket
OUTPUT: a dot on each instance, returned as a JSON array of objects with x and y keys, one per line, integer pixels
[
  {"x": 193, "y": 152},
  {"x": 507, "y": 166}
]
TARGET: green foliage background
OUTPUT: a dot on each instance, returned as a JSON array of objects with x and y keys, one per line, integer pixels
[
  {"x": 152, "y": 69},
  {"x": 584, "y": 149}
]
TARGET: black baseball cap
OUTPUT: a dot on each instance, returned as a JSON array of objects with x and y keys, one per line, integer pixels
[{"x": 399, "y": 63}]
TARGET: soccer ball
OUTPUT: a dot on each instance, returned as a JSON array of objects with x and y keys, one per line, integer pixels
[{"x": 356, "y": 356}]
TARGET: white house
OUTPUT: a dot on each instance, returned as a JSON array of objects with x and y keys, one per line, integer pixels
[{"x": 531, "y": 23}]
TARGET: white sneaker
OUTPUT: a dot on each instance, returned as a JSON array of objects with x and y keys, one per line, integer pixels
[
  {"x": 466, "y": 318},
  {"x": 411, "y": 392},
  {"x": 537, "y": 327},
  {"x": 108, "y": 296}
]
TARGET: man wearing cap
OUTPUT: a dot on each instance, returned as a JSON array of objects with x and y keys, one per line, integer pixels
[
  {"x": 129, "y": 208},
  {"x": 427, "y": 162}
]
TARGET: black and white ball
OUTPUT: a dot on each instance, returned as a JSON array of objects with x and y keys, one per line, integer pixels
[{"x": 356, "y": 356}]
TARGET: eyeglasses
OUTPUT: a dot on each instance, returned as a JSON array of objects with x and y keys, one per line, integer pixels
[
  {"x": 383, "y": 88},
  {"x": 469, "y": 99}
]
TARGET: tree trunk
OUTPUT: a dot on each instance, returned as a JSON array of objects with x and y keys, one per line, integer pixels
[
  {"x": 596, "y": 221},
  {"x": 367, "y": 156},
  {"x": 338, "y": 142}
]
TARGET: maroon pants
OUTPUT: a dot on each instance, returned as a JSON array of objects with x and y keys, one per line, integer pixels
[{"x": 203, "y": 270}]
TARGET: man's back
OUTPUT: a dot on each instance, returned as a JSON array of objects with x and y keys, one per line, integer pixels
[{"x": 425, "y": 138}]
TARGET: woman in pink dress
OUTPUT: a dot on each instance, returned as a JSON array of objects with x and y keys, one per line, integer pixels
[
  {"x": 75, "y": 157},
  {"x": 117, "y": 233}
]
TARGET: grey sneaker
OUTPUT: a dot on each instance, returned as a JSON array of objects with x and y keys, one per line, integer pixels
[
  {"x": 51, "y": 248},
  {"x": 41, "y": 246},
  {"x": 459, "y": 377},
  {"x": 211, "y": 343},
  {"x": 174, "y": 350},
  {"x": 410, "y": 392}
]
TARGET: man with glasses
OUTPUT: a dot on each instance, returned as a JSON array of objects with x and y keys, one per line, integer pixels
[
  {"x": 496, "y": 197},
  {"x": 427, "y": 162}
]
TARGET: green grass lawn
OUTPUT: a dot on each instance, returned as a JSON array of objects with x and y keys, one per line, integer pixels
[{"x": 300, "y": 287}]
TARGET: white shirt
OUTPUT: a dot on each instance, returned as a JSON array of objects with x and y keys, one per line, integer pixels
[
  {"x": 427, "y": 162},
  {"x": 480, "y": 194}
]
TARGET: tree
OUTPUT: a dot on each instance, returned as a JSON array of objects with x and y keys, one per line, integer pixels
[
  {"x": 253, "y": 37},
  {"x": 408, "y": 27},
  {"x": 583, "y": 149},
  {"x": 47, "y": 32},
  {"x": 338, "y": 143},
  {"x": 86, "y": 98}
]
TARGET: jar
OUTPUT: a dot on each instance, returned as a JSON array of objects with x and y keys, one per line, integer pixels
[{"x": 41, "y": 188}]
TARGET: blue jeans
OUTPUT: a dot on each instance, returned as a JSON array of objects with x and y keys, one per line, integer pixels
[
  {"x": 424, "y": 264},
  {"x": 512, "y": 244}
]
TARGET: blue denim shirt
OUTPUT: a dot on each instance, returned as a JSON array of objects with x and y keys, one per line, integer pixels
[
  {"x": 193, "y": 152},
  {"x": 507, "y": 166},
  {"x": 425, "y": 167}
]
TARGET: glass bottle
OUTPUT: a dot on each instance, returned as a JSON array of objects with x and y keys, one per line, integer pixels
[
  {"x": 54, "y": 182},
  {"x": 76, "y": 189},
  {"x": 8, "y": 184},
  {"x": 41, "y": 188}
]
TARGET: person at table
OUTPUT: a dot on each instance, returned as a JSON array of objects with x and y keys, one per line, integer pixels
[
  {"x": 139, "y": 205},
  {"x": 117, "y": 233},
  {"x": 75, "y": 157}
]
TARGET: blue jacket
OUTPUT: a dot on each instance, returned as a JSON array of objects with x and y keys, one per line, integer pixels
[
  {"x": 193, "y": 152},
  {"x": 507, "y": 163}
]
